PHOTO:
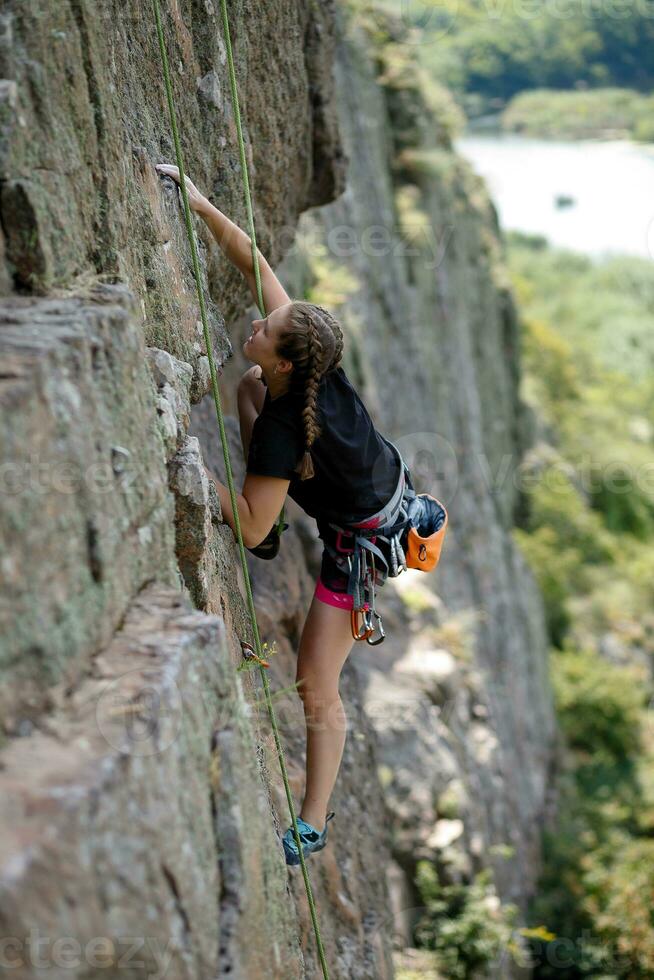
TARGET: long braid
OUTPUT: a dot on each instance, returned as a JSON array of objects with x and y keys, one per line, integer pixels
[
  {"x": 335, "y": 328},
  {"x": 314, "y": 373},
  {"x": 313, "y": 342}
]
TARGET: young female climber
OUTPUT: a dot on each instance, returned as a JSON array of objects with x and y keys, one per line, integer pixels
[{"x": 306, "y": 433}]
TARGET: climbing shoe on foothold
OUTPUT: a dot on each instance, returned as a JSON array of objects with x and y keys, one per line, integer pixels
[
  {"x": 312, "y": 839},
  {"x": 269, "y": 547}
]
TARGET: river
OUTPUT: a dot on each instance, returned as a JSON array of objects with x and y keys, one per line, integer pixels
[{"x": 605, "y": 190}]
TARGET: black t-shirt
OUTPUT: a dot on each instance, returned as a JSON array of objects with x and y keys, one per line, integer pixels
[{"x": 356, "y": 468}]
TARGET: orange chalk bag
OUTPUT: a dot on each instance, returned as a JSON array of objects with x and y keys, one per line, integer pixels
[{"x": 423, "y": 543}]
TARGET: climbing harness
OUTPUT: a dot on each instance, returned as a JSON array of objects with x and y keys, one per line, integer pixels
[
  {"x": 253, "y": 650},
  {"x": 407, "y": 533}
]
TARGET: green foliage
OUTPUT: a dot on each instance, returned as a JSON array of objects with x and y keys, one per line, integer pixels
[
  {"x": 620, "y": 900},
  {"x": 588, "y": 339},
  {"x": 332, "y": 281},
  {"x": 596, "y": 894},
  {"x": 599, "y": 705},
  {"x": 549, "y": 357},
  {"x": 557, "y": 504},
  {"x": 562, "y": 537},
  {"x": 577, "y": 114},
  {"x": 603, "y": 309},
  {"x": 488, "y": 52},
  {"x": 416, "y": 601},
  {"x": 466, "y": 925},
  {"x": 444, "y": 110},
  {"x": 422, "y": 110},
  {"x": 588, "y": 355}
]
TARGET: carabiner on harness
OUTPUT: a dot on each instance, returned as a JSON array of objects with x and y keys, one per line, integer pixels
[
  {"x": 382, "y": 635},
  {"x": 367, "y": 628},
  {"x": 373, "y": 612},
  {"x": 366, "y": 631},
  {"x": 358, "y": 599}
]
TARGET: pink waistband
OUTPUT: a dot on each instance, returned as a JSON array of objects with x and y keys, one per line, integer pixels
[{"x": 339, "y": 599}]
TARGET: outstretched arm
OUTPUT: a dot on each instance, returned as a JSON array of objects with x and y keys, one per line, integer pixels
[
  {"x": 237, "y": 246},
  {"x": 234, "y": 242}
]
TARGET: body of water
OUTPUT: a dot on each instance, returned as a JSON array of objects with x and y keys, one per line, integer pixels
[{"x": 605, "y": 190}]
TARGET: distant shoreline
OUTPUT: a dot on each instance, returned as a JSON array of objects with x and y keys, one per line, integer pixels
[{"x": 606, "y": 113}]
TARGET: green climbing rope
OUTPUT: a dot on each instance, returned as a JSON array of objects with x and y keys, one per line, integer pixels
[{"x": 219, "y": 411}]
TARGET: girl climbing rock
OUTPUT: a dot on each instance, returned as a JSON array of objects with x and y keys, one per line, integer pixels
[{"x": 306, "y": 433}]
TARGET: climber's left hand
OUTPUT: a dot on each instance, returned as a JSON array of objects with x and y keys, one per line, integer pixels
[{"x": 196, "y": 200}]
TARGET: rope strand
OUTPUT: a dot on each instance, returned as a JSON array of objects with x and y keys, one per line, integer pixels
[{"x": 219, "y": 411}]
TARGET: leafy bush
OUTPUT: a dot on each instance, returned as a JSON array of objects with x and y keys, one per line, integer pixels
[
  {"x": 598, "y": 901},
  {"x": 619, "y": 884},
  {"x": 466, "y": 925},
  {"x": 557, "y": 504},
  {"x": 599, "y": 705},
  {"x": 550, "y": 357}
]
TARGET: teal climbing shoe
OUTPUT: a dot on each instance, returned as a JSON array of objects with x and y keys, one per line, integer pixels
[
  {"x": 312, "y": 839},
  {"x": 269, "y": 547}
]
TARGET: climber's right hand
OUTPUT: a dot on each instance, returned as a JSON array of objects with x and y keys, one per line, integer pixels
[{"x": 196, "y": 200}]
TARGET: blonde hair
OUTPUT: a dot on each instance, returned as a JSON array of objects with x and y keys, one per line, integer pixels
[{"x": 313, "y": 342}]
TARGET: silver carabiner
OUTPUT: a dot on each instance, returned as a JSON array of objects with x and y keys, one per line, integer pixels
[{"x": 382, "y": 635}]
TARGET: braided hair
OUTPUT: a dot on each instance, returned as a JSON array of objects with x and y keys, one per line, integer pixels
[{"x": 313, "y": 342}]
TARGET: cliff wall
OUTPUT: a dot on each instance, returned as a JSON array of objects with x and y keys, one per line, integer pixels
[{"x": 141, "y": 794}]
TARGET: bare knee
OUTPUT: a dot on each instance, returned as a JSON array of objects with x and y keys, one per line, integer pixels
[
  {"x": 323, "y": 708},
  {"x": 315, "y": 691}
]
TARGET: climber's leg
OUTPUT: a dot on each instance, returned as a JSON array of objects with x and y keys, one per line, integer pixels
[
  {"x": 325, "y": 644},
  {"x": 250, "y": 396}
]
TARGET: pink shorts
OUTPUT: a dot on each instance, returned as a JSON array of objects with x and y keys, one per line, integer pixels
[
  {"x": 339, "y": 599},
  {"x": 331, "y": 586}
]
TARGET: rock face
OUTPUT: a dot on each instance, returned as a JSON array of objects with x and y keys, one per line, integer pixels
[
  {"x": 122, "y": 815},
  {"x": 86, "y": 512},
  {"x": 140, "y": 793}
]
